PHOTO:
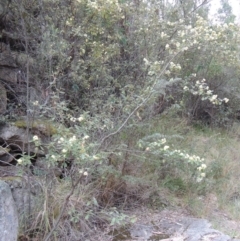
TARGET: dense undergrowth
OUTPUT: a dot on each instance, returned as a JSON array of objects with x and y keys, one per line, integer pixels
[{"x": 111, "y": 184}]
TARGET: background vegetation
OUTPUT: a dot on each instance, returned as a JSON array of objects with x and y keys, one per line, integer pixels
[{"x": 144, "y": 100}]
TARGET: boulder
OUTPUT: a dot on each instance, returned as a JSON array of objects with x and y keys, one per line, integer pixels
[
  {"x": 26, "y": 196},
  {"x": 8, "y": 214},
  {"x": 14, "y": 137},
  {"x": 17, "y": 140}
]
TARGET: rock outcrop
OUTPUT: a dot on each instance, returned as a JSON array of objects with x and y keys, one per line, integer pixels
[
  {"x": 8, "y": 214},
  {"x": 169, "y": 225}
]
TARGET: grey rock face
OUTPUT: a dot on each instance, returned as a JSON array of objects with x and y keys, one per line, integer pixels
[
  {"x": 200, "y": 229},
  {"x": 174, "y": 228},
  {"x": 8, "y": 214}
]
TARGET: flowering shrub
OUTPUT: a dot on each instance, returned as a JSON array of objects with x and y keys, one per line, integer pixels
[
  {"x": 123, "y": 55},
  {"x": 25, "y": 160},
  {"x": 72, "y": 148},
  {"x": 200, "y": 88},
  {"x": 173, "y": 157}
]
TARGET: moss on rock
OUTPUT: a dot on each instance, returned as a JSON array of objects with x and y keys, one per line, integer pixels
[{"x": 44, "y": 126}]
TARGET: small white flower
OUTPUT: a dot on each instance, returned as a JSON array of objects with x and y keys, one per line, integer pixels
[
  {"x": 203, "y": 174},
  {"x": 95, "y": 157},
  {"x": 204, "y": 166},
  {"x": 147, "y": 149},
  {"x": 35, "y": 103},
  {"x": 81, "y": 171},
  {"x": 53, "y": 156},
  {"x": 165, "y": 148},
  {"x": 226, "y": 100},
  {"x": 72, "y": 139},
  {"x": 85, "y": 174},
  {"x": 167, "y": 72},
  {"x": 73, "y": 119},
  {"x": 145, "y": 60},
  {"x": 163, "y": 140},
  {"x": 167, "y": 46},
  {"x": 20, "y": 161},
  {"x": 64, "y": 150},
  {"x": 35, "y": 138},
  {"x": 214, "y": 97},
  {"x": 179, "y": 66},
  {"x": 80, "y": 118},
  {"x": 85, "y": 137}
]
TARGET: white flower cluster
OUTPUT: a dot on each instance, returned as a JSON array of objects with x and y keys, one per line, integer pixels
[
  {"x": 163, "y": 35},
  {"x": 20, "y": 161},
  {"x": 84, "y": 173},
  {"x": 201, "y": 88},
  {"x": 166, "y": 150},
  {"x": 174, "y": 67},
  {"x": 68, "y": 145},
  {"x": 156, "y": 144},
  {"x": 24, "y": 160},
  {"x": 156, "y": 67},
  {"x": 202, "y": 36},
  {"x": 190, "y": 158},
  {"x": 72, "y": 139},
  {"x": 61, "y": 140},
  {"x": 35, "y": 138},
  {"x": 106, "y": 4},
  {"x": 73, "y": 119},
  {"x": 193, "y": 159},
  {"x": 35, "y": 103},
  {"x": 92, "y": 4}
]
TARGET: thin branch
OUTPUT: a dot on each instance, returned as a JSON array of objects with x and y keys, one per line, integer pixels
[
  {"x": 137, "y": 107},
  {"x": 26, "y": 45}
]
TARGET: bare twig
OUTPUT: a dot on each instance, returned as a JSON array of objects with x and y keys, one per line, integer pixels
[{"x": 26, "y": 45}]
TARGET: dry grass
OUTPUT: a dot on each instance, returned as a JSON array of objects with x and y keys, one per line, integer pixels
[{"x": 220, "y": 148}]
